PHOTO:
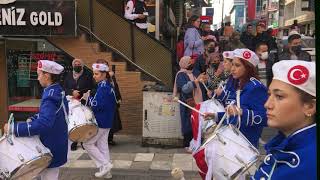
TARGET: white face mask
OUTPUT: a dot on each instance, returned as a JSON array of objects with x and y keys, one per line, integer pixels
[{"x": 264, "y": 55}]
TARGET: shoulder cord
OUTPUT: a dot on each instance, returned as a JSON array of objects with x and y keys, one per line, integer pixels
[{"x": 63, "y": 107}]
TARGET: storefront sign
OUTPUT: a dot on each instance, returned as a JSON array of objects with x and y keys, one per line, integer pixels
[{"x": 38, "y": 18}]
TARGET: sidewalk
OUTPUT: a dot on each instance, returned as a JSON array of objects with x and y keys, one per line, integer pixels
[{"x": 130, "y": 159}]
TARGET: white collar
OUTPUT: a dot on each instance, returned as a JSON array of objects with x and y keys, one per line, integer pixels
[
  {"x": 303, "y": 129},
  {"x": 51, "y": 85}
]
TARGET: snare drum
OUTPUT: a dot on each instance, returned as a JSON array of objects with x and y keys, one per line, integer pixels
[
  {"x": 230, "y": 153},
  {"x": 22, "y": 157},
  {"x": 82, "y": 124}
]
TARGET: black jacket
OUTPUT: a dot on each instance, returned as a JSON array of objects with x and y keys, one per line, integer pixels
[
  {"x": 248, "y": 40},
  {"x": 286, "y": 55},
  {"x": 266, "y": 38},
  {"x": 83, "y": 84}
]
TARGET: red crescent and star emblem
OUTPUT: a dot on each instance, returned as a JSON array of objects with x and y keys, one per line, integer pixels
[
  {"x": 227, "y": 54},
  {"x": 97, "y": 66},
  {"x": 298, "y": 75},
  {"x": 246, "y": 55}
]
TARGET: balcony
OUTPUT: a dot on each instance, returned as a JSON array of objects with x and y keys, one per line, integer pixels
[
  {"x": 307, "y": 17},
  {"x": 289, "y": 2}
]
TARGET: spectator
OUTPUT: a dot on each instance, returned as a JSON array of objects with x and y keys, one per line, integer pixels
[
  {"x": 76, "y": 83},
  {"x": 201, "y": 63},
  {"x": 215, "y": 71},
  {"x": 228, "y": 30},
  {"x": 187, "y": 84},
  {"x": 272, "y": 40},
  {"x": 207, "y": 32},
  {"x": 247, "y": 37},
  {"x": 193, "y": 41},
  {"x": 136, "y": 12},
  {"x": 264, "y": 65},
  {"x": 294, "y": 50},
  {"x": 180, "y": 46},
  {"x": 235, "y": 42},
  {"x": 262, "y": 36},
  {"x": 295, "y": 26}
]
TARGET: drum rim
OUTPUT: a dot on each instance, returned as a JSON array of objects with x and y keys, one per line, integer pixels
[
  {"x": 234, "y": 128},
  {"x": 92, "y": 124},
  {"x": 48, "y": 154},
  {"x": 80, "y": 125},
  {"x": 237, "y": 174}
]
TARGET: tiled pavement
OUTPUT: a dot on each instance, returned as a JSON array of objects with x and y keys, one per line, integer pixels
[
  {"x": 131, "y": 160},
  {"x": 138, "y": 161}
]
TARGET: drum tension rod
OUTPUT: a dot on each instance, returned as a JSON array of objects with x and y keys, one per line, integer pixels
[
  {"x": 220, "y": 139},
  {"x": 235, "y": 130},
  {"x": 39, "y": 149},
  {"x": 239, "y": 159},
  {"x": 9, "y": 140},
  {"x": 4, "y": 173},
  {"x": 21, "y": 157},
  {"x": 224, "y": 173}
]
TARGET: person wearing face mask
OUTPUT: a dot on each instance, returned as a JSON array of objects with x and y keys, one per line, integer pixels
[
  {"x": 201, "y": 63},
  {"x": 294, "y": 50},
  {"x": 188, "y": 85},
  {"x": 215, "y": 71},
  {"x": 76, "y": 83},
  {"x": 264, "y": 65}
]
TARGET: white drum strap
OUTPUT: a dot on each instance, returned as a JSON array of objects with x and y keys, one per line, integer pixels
[{"x": 238, "y": 106}]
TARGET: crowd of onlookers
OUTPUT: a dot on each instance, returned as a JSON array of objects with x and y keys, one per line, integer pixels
[{"x": 202, "y": 59}]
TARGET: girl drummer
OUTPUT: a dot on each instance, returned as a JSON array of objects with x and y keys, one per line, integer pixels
[
  {"x": 291, "y": 109},
  {"x": 103, "y": 106},
  {"x": 226, "y": 88},
  {"x": 250, "y": 116}
]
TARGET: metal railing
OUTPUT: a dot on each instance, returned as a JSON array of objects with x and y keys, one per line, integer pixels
[{"x": 124, "y": 38}]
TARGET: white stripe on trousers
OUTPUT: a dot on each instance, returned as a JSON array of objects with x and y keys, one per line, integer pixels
[
  {"x": 50, "y": 174},
  {"x": 97, "y": 147}
]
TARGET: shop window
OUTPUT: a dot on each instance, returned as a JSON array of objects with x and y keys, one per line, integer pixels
[{"x": 24, "y": 89}]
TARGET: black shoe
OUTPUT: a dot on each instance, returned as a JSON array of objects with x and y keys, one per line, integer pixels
[
  {"x": 82, "y": 146},
  {"x": 112, "y": 143},
  {"x": 74, "y": 146}
]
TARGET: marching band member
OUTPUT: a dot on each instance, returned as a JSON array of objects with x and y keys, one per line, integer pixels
[
  {"x": 223, "y": 92},
  {"x": 103, "y": 105},
  {"x": 50, "y": 124},
  {"x": 250, "y": 114},
  {"x": 291, "y": 109}
]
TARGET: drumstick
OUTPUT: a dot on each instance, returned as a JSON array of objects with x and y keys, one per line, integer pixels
[
  {"x": 205, "y": 86},
  {"x": 194, "y": 109},
  {"x": 87, "y": 97}
]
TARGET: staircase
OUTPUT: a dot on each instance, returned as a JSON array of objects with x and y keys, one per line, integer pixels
[{"x": 129, "y": 82}]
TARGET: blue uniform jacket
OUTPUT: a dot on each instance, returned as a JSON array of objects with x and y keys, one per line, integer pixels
[
  {"x": 293, "y": 157},
  {"x": 185, "y": 88},
  {"x": 50, "y": 124},
  {"x": 103, "y": 104},
  {"x": 252, "y": 99},
  {"x": 228, "y": 93}
]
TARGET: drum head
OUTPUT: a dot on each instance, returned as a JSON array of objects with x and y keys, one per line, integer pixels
[
  {"x": 83, "y": 133},
  {"x": 31, "y": 168}
]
